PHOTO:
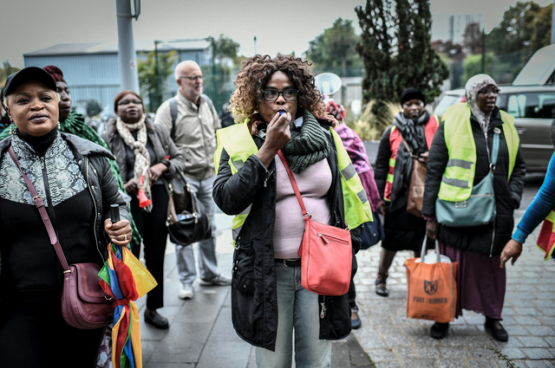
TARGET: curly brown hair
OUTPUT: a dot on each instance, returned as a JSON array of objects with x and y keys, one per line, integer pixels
[{"x": 255, "y": 74}]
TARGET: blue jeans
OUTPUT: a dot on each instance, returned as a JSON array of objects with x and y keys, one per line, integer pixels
[
  {"x": 298, "y": 310},
  {"x": 207, "y": 261}
]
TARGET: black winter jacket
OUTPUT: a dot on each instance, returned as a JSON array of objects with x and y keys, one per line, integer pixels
[
  {"x": 253, "y": 293},
  {"x": 101, "y": 185},
  {"x": 507, "y": 193}
]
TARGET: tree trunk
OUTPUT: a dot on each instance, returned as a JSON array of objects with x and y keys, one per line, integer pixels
[{"x": 344, "y": 66}]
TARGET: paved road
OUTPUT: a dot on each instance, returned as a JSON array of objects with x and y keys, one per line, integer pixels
[
  {"x": 201, "y": 334},
  {"x": 392, "y": 340}
]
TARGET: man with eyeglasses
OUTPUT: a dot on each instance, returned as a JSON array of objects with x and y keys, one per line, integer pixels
[{"x": 192, "y": 121}]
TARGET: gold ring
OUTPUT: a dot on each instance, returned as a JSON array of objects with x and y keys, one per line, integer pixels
[{"x": 125, "y": 237}]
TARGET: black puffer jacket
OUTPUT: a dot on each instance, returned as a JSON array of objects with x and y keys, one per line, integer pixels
[
  {"x": 101, "y": 185},
  {"x": 507, "y": 193},
  {"x": 254, "y": 296}
]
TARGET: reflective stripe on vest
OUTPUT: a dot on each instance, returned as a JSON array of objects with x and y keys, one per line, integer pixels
[
  {"x": 546, "y": 239},
  {"x": 458, "y": 178},
  {"x": 395, "y": 140},
  {"x": 239, "y": 145},
  {"x": 355, "y": 201}
]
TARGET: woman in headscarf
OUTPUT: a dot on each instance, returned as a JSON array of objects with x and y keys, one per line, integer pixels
[
  {"x": 476, "y": 249},
  {"x": 144, "y": 149},
  {"x": 74, "y": 180},
  {"x": 357, "y": 153},
  {"x": 410, "y": 135}
]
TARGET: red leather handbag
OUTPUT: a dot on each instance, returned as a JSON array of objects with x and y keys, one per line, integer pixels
[
  {"x": 84, "y": 303},
  {"x": 326, "y": 252}
]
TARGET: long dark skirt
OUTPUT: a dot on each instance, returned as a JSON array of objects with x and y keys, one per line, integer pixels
[
  {"x": 403, "y": 231},
  {"x": 480, "y": 282}
]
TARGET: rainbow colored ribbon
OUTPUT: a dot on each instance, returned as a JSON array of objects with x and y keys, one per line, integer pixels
[{"x": 125, "y": 279}]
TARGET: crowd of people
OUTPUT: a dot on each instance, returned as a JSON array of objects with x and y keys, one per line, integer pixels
[{"x": 286, "y": 134}]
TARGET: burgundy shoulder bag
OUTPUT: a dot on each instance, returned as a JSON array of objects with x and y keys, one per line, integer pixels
[
  {"x": 326, "y": 252},
  {"x": 84, "y": 303}
]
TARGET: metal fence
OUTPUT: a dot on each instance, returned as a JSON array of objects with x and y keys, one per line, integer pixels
[
  {"x": 103, "y": 94},
  {"x": 502, "y": 68}
]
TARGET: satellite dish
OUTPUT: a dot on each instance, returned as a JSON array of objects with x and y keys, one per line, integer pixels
[
  {"x": 356, "y": 107},
  {"x": 327, "y": 83}
]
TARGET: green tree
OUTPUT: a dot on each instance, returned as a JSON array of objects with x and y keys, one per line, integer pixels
[
  {"x": 5, "y": 71},
  {"x": 541, "y": 28},
  {"x": 515, "y": 31},
  {"x": 472, "y": 65},
  {"x": 217, "y": 76},
  {"x": 472, "y": 38},
  {"x": 152, "y": 82},
  {"x": 335, "y": 47},
  {"x": 225, "y": 50},
  {"x": 397, "y": 52}
]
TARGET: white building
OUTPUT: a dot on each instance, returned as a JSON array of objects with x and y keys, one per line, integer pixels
[{"x": 447, "y": 27}]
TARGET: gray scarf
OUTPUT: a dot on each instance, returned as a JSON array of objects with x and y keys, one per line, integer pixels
[{"x": 307, "y": 146}]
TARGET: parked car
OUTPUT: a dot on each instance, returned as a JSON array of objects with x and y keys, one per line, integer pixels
[
  {"x": 531, "y": 100},
  {"x": 533, "y": 109}
]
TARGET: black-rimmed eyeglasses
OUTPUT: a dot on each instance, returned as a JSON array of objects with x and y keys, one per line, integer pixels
[
  {"x": 273, "y": 94},
  {"x": 192, "y": 78},
  {"x": 489, "y": 91}
]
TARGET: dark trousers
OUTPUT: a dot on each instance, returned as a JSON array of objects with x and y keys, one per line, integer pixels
[
  {"x": 152, "y": 227},
  {"x": 35, "y": 335},
  {"x": 352, "y": 293}
]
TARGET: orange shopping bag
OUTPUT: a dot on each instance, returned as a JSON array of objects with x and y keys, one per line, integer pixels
[{"x": 431, "y": 287}]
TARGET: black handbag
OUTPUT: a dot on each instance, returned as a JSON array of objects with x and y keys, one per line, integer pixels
[
  {"x": 372, "y": 232},
  {"x": 187, "y": 220}
]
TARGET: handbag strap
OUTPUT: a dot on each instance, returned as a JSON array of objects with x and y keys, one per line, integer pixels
[
  {"x": 39, "y": 203},
  {"x": 495, "y": 147},
  {"x": 294, "y": 184},
  {"x": 423, "y": 251}
]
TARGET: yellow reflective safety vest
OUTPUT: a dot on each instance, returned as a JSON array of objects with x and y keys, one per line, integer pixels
[
  {"x": 458, "y": 178},
  {"x": 239, "y": 145}
]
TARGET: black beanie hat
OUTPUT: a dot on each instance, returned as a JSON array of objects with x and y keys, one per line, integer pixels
[{"x": 412, "y": 94}]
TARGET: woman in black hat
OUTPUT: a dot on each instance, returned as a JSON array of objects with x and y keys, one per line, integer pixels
[
  {"x": 74, "y": 180},
  {"x": 411, "y": 134}
]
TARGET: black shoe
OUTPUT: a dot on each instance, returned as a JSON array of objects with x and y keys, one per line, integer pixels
[
  {"x": 381, "y": 288},
  {"x": 439, "y": 330},
  {"x": 155, "y": 319},
  {"x": 496, "y": 330},
  {"x": 356, "y": 323}
]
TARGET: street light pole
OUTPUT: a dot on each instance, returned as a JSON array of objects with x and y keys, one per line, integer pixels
[
  {"x": 255, "y": 44},
  {"x": 553, "y": 24},
  {"x": 157, "y": 79},
  {"x": 483, "y": 51},
  {"x": 127, "y": 56}
]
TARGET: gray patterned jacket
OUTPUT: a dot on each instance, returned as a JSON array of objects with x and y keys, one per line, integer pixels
[{"x": 91, "y": 172}]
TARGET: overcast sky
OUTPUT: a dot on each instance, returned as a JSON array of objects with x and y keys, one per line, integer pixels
[{"x": 280, "y": 26}]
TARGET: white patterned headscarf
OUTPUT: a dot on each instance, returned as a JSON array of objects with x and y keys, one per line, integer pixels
[
  {"x": 142, "y": 157},
  {"x": 472, "y": 87}
]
